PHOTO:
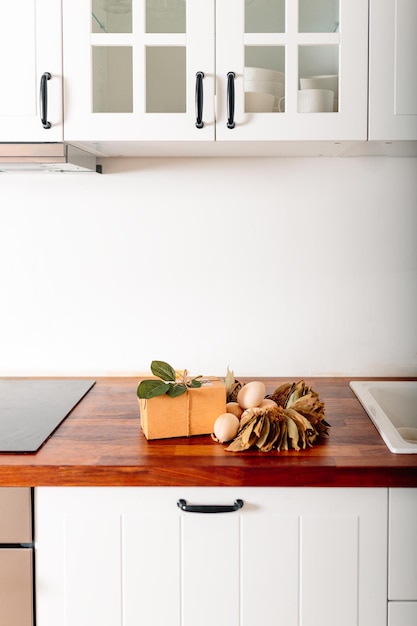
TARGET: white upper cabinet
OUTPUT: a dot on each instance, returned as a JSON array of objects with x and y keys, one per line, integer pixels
[
  {"x": 392, "y": 70},
  {"x": 299, "y": 50},
  {"x": 133, "y": 69},
  {"x": 208, "y": 71},
  {"x": 31, "y": 62},
  {"x": 139, "y": 70}
]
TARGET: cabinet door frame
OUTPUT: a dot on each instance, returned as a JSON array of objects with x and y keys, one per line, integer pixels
[{"x": 35, "y": 44}]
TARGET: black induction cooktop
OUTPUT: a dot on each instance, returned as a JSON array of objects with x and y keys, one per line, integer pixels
[{"x": 31, "y": 410}]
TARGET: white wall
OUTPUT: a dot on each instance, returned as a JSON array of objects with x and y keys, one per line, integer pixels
[{"x": 272, "y": 266}]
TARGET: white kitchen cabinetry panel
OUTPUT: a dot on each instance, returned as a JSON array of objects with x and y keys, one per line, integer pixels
[
  {"x": 402, "y": 576},
  {"x": 131, "y": 69},
  {"x": 128, "y": 556},
  {"x": 392, "y": 70},
  {"x": 30, "y": 46}
]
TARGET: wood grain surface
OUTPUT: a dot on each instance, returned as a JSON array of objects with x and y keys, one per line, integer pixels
[{"x": 101, "y": 443}]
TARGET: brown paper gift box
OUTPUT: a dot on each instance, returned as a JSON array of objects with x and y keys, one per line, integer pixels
[{"x": 192, "y": 413}]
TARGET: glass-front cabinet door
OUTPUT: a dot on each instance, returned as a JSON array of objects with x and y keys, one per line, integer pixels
[
  {"x": 292, "y": 69},
  {"x": 139, "y": 70}
]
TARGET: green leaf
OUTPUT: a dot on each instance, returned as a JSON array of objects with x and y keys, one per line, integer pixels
[
  {"x": 163, "y": 370},
  {"x": 152, "y": 388},
  {"x": 194, "y": 383},
  {"x": 176, "y": 390}
]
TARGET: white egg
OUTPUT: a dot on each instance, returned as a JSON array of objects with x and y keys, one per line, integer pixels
[
  {"x": 251, "y": 394},
  {"x": 225, "y": 427}
]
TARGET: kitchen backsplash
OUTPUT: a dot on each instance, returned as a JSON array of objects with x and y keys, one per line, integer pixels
[{"x": 280, "y": 266}]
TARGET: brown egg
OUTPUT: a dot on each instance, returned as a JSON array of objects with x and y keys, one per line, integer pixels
[{"x": 233, "y": 407}]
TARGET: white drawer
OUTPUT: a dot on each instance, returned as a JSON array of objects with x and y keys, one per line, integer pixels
[{"x": 402, "y": 613}]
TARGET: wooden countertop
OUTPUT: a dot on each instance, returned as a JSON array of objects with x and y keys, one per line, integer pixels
[{"x": 101, "y": 443}]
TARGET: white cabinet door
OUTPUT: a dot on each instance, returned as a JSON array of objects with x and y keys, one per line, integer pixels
[
  {"x": 131, "y": 69},
  {"x": 30, "y": 46},
  {"x": 308, "y": 44},
  {"x": 129, "y": 556},
  {"x": 107, "y": 556},
  {"x": 402, "y": 573},
  {"x": 392, "y": 70}
]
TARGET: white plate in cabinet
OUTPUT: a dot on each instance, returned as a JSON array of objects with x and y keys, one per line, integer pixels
[{"x": 127, "y": 556}]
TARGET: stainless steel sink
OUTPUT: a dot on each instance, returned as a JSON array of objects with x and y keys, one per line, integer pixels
[{"x": 392, "y": 406}]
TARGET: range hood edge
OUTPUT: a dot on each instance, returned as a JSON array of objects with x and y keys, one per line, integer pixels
[{"x": 46, "y": 157}]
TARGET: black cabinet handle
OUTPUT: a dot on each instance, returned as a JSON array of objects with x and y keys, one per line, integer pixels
[
  {"x": 44, "y": 100},
  {"x": 199, "y": 99},
  {"x": 210, "y": 508},
  {"x": 230, "y": 100}
]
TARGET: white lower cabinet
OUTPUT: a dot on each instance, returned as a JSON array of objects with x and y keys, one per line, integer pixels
[
  {"x": 402, "y": 613},
  {"x": 402, "y": 558},
  {"x": 129, "y": 556}
]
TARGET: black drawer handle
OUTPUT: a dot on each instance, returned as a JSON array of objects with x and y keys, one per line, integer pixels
[
  {"x": 44, "y": 100},
  {"x": 230, "y": 100},
  {"x": 210, "y": 508},
  {"x": 199, "y": 99}
]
